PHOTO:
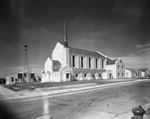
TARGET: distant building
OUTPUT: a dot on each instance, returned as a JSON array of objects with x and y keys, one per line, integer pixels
[
  {"x": 2, "y": 80},
  {"x": 128, "y": 73},
  {"x": 20, "y": 77},
  {"x": 133, "y": 73},
  {"x": 145, "y": 72}
]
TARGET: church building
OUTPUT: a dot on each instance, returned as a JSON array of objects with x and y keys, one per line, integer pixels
[{"x": 70, "y": 64}]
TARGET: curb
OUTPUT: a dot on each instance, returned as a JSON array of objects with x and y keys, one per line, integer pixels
[{"x": 37, "y": 93}]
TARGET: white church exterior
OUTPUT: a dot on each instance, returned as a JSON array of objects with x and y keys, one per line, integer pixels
[{"x": 70, "y": 64}]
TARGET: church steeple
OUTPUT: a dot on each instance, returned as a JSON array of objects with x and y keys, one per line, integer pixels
[{"x": 65, "y": 35}]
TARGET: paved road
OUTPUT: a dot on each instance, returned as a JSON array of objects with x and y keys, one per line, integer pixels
[{"x": 109, "y": 103}]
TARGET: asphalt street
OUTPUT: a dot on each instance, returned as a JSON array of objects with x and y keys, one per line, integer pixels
[{"x": 108, "y": 103}]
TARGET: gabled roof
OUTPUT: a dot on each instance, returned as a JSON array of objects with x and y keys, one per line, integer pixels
[
  {"x": 131, "y": 69},
  {"x": 143, "y": 69},
  {"x": 56, "y": 65},
  {"x": 85, "y": 52},
  {"x": 104, "y": 55},
  {"x": 56, "y": 62},
  {"x": 110, "y": 61}
]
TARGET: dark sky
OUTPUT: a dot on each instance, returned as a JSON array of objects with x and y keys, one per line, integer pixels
[{"x": 117, "y": 28}]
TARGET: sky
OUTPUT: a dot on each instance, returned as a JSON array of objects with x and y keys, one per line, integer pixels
[{"x": 116, "y": 28}]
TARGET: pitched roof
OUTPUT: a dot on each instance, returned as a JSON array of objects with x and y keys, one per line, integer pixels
[
  {"x": 56, "y": 65},
  {"x": 110, "y": 61},
  {"x": 143, "y": 69},
  {"x": 85, "y": 52},
  {"x": 56, "y": 62},
  {"x": 131, "y": 69}
]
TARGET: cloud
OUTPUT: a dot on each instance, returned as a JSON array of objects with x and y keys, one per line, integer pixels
[
  {"x": 129, "y": 7},
  {"x": 139, "y": 59},
  {"x": 143, "y": 45},
  {"x": 145, "y": 51},
  {"x": 135, "y": 61}
]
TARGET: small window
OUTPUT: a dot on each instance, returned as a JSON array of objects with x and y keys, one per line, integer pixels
[
  {"x": 25, "y": 74},
  {"x": 84, "y": 75},
  {"x": 15, "y": 80},
  {"x": 118, "y": 74},
  {"x": 100, "y": 75},
  {"x": 122, "y": 66},
  {"x": 122, "y": 74},
  {"x": 67, "y": 75},
  {"x": 120, "y": 61},
  {"x": 19, "y": 75},
  {"x": 76, "y": 75},
  {"x": 12, "y": 79}
]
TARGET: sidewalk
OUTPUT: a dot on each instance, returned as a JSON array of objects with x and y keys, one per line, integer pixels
[
  {"x": 4, "y": 92},
  {"x": 54, "y": 91}
]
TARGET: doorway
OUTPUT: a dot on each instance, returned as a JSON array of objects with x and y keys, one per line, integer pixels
[{"x": 110, "y": 76}]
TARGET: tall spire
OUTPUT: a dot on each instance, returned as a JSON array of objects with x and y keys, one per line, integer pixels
[{"x": 65, "y": 35}]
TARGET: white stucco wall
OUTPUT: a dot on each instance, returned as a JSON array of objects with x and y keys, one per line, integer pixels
[
  {"x": 47, "y": 73},
  {"x": 9, "y": 79},
  {"x": 142, "y": 74},
  {"x": 128, "y": 73},
  {"x": 112, "y": 68},
  {"x": 121, "y": 69},
  {"x": 57, "y": 53},
  {"x": 48, "y": 65},
  {"x": 55, "y": 77},
  {"x": 61, "y": 54}
]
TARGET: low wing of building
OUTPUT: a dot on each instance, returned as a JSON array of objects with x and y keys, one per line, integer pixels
[
  {"x": 132, "y": 73},
  {"x": 115, "y": 68}
]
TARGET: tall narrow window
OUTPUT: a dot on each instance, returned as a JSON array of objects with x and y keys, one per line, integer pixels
[
  {"x": 102, "y": 64},
  {"x": 122, "y": 74},
  {"x": 118, "y": 66},
  {"x": 122, "y": 66},
  {"x": 89, "y": 62},
  {"x": 73, "y": 61},
  {"x": 12, "y": 79},
  {"x": 25, "y": 74},
  {"x": 118, "y": 74},
  {"x": 81, "y": 62},
  {"x": 96, "y": 63}
]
